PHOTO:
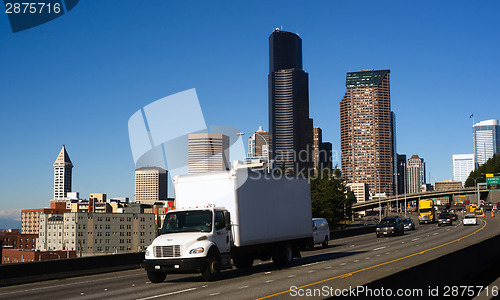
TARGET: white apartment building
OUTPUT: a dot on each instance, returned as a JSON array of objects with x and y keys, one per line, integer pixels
[
  {"x": 463, "y": 164},
  {"x": 92, "y": 233},
  {"x": 360, "y": 191}
]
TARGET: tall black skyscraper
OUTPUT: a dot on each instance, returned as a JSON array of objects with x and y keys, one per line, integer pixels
[{"x": 289, "y": 123}]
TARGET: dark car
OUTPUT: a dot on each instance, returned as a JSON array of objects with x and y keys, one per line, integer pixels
[
  {"x": 408, "y": 224},
  {"x": 454, "y": 217},
  {"x": 445, "y": 219},
  {"x": 390, "y": 226}
]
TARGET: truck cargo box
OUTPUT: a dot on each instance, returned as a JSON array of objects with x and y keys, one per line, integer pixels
[{"x": 264, "y": 208}]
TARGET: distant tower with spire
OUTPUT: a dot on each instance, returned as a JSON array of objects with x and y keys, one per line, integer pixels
[{"x": 62, "y": 175}]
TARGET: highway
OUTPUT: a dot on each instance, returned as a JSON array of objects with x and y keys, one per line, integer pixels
[{"x": 345, "y": 264}]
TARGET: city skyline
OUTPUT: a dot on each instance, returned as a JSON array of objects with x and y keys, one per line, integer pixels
[{"x": 95, "y": 75}]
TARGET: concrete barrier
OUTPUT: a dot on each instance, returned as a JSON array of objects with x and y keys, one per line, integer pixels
[
  {"x": 19, "y": 273},
  {"x": 338, "y": 234}
]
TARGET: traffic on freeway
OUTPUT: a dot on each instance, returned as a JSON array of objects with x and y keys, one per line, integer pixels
[{"x": 345, "y": 264}]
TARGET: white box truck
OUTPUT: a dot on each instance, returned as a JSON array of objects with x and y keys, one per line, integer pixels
[{"x": 230, "y": 217}]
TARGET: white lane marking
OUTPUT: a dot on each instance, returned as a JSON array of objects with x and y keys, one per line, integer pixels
[
  {"x": 168, "y": 294},
  {"x": 378, "y": 254},
  {"x": 435, "y": 233},
  {"x": 268, "y": 281},
  {"x": 343, "y": 264},
  {"x": 68, "y": 284},
  {"x": 312, "y": 263},
  {"x": 214, "y": 294},
  {"x": 416, "y": 239},
  {"x": 312, "y": 271},
  {"x": 267, "y": 273},
  {"x": 328, "y": 267},
  {"x": 379, "y": 248},
  {"x": 291, "y": 276},
  {"x": 367, "y": 257},
  {"x": 245, "y": 286},
  {"x": 352, "y": 246},
  {"x": 387, "y": 252},
  {"x": 356, "y": 260}
]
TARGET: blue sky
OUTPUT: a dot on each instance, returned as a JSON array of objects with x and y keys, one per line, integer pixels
[{"x": 77, "y": 79}]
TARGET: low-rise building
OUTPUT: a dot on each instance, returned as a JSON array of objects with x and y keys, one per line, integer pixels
[
  {"x": 89, "y": 233},
  {"x": 30, "y": 218},
  {"x": 19, "y": 255},
  {"x": 13, "y": 238},
  {"x": 447, "y": 184}
]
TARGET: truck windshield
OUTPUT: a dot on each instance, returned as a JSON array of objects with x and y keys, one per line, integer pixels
[
  {"x": 188, "y": 221},
  {"x": 425, "y": 210}
]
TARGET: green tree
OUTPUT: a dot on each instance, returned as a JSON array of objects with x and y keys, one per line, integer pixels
[
  {"x": 330, "y": 197},
  {"x": 492, "y": 166}
]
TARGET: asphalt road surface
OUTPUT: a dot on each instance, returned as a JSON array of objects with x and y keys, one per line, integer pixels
[{"x": 346, "y": 264}]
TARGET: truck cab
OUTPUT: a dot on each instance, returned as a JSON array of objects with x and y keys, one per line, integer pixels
[
  {"x": 191, "y": 240},
  {"x": 426, "y": 211}
]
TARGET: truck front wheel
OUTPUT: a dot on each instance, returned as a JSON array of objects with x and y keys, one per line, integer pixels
[
  {"x": 243, "y": 262},
  {"x": 157, "y": 277},
  {"x": 212, "y": 267}
]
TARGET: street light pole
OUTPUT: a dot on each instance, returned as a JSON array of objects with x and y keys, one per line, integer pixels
[
  {"x": 404, "y": 164},
  {"x": 379, "y": 203}
]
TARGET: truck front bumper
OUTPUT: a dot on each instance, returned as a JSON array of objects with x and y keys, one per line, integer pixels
[{"x": 178, "y": 265}]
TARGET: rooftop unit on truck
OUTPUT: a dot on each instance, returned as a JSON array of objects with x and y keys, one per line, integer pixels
[
  {"x": 226, "y": 218},
  {"x": 426, "y": 211}
]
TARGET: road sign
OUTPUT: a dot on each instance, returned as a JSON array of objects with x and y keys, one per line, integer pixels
[{"x": 493, "y": 183}]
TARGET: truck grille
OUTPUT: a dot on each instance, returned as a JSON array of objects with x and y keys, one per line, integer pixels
[
  {"x": 426, "y": 217},
  {"x": 167, "y": 251}
]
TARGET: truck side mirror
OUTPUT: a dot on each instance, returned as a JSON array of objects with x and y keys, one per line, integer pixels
[{"x": 227, "y": 220}]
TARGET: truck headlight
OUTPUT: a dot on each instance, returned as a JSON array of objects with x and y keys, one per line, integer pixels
[
  {"x": 147, "y": 252},
  {"x": 197, "y": 250}
]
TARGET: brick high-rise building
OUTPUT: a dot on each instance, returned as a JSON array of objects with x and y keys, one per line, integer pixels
[
  {"x": 290, "y": 127},
  {"x": 365, "y": 131}
]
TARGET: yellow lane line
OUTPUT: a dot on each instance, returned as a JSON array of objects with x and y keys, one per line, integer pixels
[{"x": 379, "y": 265}]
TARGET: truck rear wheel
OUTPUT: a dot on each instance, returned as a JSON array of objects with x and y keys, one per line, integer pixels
[
  {"x": 157, "y": 277},
  {"x": 243, "y": 262},
  {"x": 283, "y": 257},
  {"x": 212, "y": 267}
]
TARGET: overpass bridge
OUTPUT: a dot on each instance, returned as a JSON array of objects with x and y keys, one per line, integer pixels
[{"x": 360, "y": 206}]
